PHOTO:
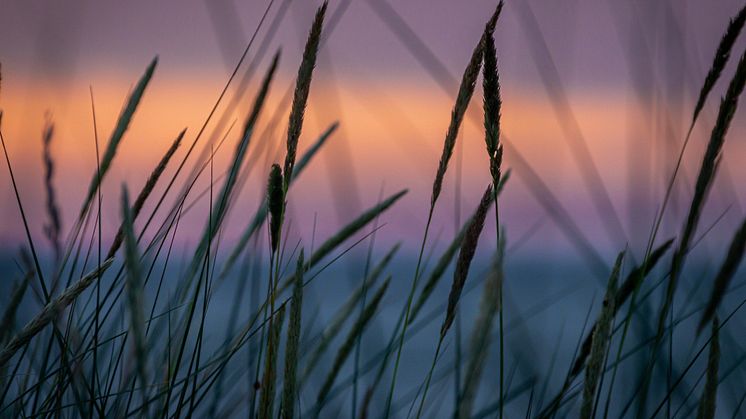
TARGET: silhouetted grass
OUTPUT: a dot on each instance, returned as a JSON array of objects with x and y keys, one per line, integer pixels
[{"x": 103, "y": 351}]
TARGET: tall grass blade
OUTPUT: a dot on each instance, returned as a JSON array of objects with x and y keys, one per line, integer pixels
[
  {"x": 9, "y": 314},
  {"x": 480, "y": 337},
  {"x": 334, "y": 326},
  {"x": 266, "y": 402},
  {"x": 599, "y": 343},
  {"x": 293, "y": 342},
  {"x": 465, "y": 92},
  {"x": 465, "y": 256},
  {"x": 135, "y": 300},
  {"x": 633, "y": 280},
  {"x": 492, "y": 105},
  {"x": 722, "y": 55},
  {"x": 261, "y": 213},
  {"x": 116, "y": 136},
  {"x": 445, "y": 259},
  {"x": 220, "y": 207},
  {"x": 725, "y": 275},
  {"x": 51, "y": 230},
  {"x": 708, "y": 402},
  {"x": 146, "y": 190},
  {"x": 706, "y": 175},
  {"x": 302, "y": 89},
  {"x": 50, "y": 312},
  {"x": 349, "y": 343}
]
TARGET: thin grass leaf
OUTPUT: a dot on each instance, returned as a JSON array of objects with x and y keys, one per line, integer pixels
[
  {"x": 349, "y": 343},
  {"x": 51, "y": 230},
  {"x": 599, "y": 342},
  {"x": 266, "y": 402},
  {"x": 480, "y": 338},
  {"x": 463, "y": 97},
  {"x": 444, "y": 261},
  {"x": 261, "y": 213},
  {"x": 135, "y": 300},
  {"x": 722, "y": 55},
  {"x": 293, "y": 341},
  {"x": 9, "y": 314},
  {"x": 300, "y": 96},
  {"x": 466, "y": 90},
  {"x": 633, "y": 280},
  {"x": 707, "y": 171},
  {"x": 348, "y": 230},
  {"x": 146, "y": 190},
  {"x": 466, "y": 254},
  {"x": 116, "y": 136},
  {"x": 334, "y": 326},
  {"x": 220, "y": 206},
  {"x": 725, "y": 275},
  {"x": 50, "y": 312},
  {"x": 708, "y": 402}
]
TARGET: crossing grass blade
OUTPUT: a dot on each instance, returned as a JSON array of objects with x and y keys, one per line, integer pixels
[
  {"x": 146, "y": 190},
  {"x": 708, "y": 402},
  {"x": 135, "y": 300},
  {"x": 349, "y": 343},
  {"x": 116, "y": 137},
  {"x": 725, "y": 275},
  {"x": 293, "y": 341},
  {"x": 50, "y": 312},
  {"x": 599, "y": 343}
]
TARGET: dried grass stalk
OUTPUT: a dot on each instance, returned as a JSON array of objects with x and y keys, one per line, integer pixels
[
  {"x": 466, "y": 254},
  {"x": 344, "y": 313},
  {"x": 134, "y": 285},
  {"x": 492, "y": 106},
  {"x": 293, "y": 341},
  {"x": 480, "y": 338},
  {"x": 725, "y": 275},
  {"x": 146, "y": 190},
  {"x": 9, "y": 315},
  {"x": 634, "y": 279},
  {"x": 465, "y": 92},
  {"x": 50, "y": 312},
  {"x": 275, "y": 203},
  {"x": 116, "y": 136},
  {"x": 722, "y": 55},
  {"x": 302, "y": 88},
  {"x": 51, "y": 230},
  {"x": 710, "y": 162},
  {"x": 261, "y": 213},
  {"x": 599, "y": 342},
  {"x": 266, "y": 402},
  {"x": 349, "y": 342},
  {"x": 441, "y": 265}
]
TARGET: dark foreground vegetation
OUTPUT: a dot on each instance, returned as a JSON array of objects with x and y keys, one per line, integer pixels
[{"x": 102, "y": 344}]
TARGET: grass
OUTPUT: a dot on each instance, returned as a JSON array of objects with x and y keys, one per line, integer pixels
[{"x": 131, "y": 331}]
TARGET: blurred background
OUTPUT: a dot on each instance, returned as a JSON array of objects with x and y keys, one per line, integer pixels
[
  {"x": 597, "y": 98},
  {"x": 588, "y": 88}
]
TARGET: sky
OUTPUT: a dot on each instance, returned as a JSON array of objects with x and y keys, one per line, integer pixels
[{"x": 588, "y": 86}]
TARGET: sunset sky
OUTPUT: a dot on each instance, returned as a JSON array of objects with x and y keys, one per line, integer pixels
[{"x": 628, "y": 71}]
